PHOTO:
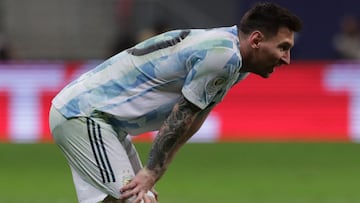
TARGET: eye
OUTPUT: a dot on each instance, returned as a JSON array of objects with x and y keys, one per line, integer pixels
[{"x": 284, "y": 47}]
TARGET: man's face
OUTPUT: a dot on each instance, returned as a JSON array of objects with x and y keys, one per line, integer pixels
[{"x": 273, "y": 52}]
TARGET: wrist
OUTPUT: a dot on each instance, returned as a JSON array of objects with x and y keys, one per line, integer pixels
[{"x": 151, "y": 173}]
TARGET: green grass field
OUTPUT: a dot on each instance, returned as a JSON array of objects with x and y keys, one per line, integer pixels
[{"x": 211, "y": 173}]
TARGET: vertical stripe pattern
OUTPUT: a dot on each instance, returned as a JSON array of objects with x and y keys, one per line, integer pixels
[{"x": 99, "y": 151}]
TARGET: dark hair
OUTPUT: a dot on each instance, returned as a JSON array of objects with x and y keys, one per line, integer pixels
[{"x": 268, "y": 18}]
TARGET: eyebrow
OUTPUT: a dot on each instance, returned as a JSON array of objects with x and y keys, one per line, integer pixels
[{"x": 286, "y": 44}]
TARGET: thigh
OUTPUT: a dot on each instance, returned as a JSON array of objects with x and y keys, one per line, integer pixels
[{"x": 96, "y": 154}]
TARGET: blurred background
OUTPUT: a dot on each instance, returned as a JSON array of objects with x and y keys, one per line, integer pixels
[
  {"x": 290, "y": 138},
  {"x": 95, "y": 29}
]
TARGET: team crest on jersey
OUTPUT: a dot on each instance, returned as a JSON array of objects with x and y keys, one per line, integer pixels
[
  {"x": 127, "y": 179},
  {"x": 215, "y": 85}
]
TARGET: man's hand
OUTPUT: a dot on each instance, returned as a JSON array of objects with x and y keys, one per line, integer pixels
[
  {"x": 147, "y": 199},
  {"x": 139, "y": 185}
]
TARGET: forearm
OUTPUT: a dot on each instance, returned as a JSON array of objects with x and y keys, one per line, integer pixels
[
  {"x": 172, "y": 135},
  {"x": 181, "y": 124}
]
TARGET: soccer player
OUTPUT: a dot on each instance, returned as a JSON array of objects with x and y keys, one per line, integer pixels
[{"x": 169, "y": 83}]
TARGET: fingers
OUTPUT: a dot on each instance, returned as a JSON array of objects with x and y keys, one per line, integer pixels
[
  {"x": 155, "y": 193},
  {"x": 140, "y": 196},
  {"x": 142, "y": 182},
  {"x": 129, "y": 193},
  {"x": 136, "y": 191},
  {"x": 146, "y": 198},
  {"x": 128, "y": 186},
  {"x": 129, "y": 190}
]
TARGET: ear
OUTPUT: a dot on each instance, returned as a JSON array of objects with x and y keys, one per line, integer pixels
[{"x": 255, "y": 38}]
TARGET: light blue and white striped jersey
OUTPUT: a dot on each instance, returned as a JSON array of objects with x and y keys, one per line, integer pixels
[{"x": 136, "y": 89}]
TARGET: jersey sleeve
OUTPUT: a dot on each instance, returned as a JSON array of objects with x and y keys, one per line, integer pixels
[{"x": 210, "y": 76}]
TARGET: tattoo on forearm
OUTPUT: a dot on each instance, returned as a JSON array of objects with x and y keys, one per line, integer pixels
[{"x": 171, "y": 134}]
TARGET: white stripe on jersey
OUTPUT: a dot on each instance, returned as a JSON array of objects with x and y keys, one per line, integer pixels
[{"x": 137, "y": 88}]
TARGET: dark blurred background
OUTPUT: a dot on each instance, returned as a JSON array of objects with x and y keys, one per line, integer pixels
[{"x": 96, "y": 29}]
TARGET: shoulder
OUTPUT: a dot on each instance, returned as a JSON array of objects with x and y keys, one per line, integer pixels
[
  {"x": 216, "y": 39},
  {"x": 221, "y": 34}
]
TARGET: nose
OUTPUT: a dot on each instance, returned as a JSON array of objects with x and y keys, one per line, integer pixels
[{"x": 285, "y": 58}]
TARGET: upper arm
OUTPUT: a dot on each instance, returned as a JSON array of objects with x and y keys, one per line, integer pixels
[
  {"x": 199, "y": 115},
  {"x": 211, "y": 73}
]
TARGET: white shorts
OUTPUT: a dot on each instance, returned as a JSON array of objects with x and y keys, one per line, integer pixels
[{"x": 100, "y": 159}]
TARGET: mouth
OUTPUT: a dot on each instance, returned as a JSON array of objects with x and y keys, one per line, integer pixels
[
  {"x": 271, "y": 70},
  {"x": 278, "y": 64}
]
